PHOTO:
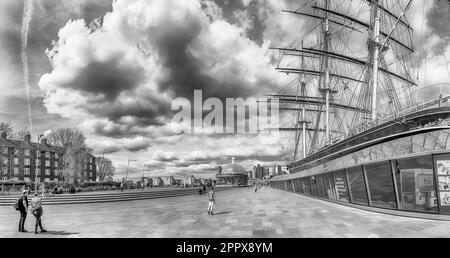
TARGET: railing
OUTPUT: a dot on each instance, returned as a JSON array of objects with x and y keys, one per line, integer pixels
[{"x": 411, "y": 110}]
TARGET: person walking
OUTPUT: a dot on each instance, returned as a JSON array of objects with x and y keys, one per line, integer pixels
[
  {"x": 37, "y": 211},
  {"x": 23, "y": 209},
  {"x": 256, "y": 188},
  {"x": 212, "y": 201}
]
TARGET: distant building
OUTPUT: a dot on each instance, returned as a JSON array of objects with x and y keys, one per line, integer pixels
[
  {"x": 189, "y": 181},
  {"x": 232, "y": 174},
  {"x": 157, "y": 181},
  {"x": 26, "y": 161},
  {"x": 168, "y": 180},
  {"x": 259, "y": 172}
]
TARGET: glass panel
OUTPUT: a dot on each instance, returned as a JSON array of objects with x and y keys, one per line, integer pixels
[
  {"x": 330, "y": 187},
  {"x": 415, "y": 184},
  {"x": 341, "y": 186},
  {"x": 381, "y": 187},
  {"x": 321, "y": 186},
  {"x": 314, "y": 186},
  {"x": 357, "y": 186}
]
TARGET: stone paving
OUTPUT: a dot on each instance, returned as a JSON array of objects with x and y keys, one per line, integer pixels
[{"x": 240, "y": 213}]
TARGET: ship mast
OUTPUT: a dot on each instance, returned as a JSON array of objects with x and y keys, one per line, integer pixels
[
  {"x": 352, "y": 84},
  {"x": 374, "y": 49}
]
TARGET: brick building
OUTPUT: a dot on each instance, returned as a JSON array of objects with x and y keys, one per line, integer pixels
[{"x": 19, "y": 161}]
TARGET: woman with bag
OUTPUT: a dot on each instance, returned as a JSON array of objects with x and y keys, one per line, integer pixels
[{"x": 36, "y": 209}]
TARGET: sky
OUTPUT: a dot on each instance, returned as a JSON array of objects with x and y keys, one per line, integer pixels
[{"x": 116, "y": 80}]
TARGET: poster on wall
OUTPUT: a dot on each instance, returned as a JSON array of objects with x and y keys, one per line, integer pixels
[
  {"x": 444, "y": 183},
  {"x": 443, "y": 167},
  {"x": 445, "y": 199},
  {"x": 443, "y": 171}
]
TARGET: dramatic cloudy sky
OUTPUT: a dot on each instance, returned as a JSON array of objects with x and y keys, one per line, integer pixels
[{"x": 116, "y": 83}]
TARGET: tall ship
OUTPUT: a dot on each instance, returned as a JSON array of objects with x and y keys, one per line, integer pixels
[{"x": 366, "y": 130}]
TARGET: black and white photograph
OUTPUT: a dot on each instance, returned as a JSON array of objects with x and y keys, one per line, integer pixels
[{"x": 197, "y": 120}]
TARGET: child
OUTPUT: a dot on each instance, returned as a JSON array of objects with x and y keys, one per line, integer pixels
[{"x": 212, "y": 201}]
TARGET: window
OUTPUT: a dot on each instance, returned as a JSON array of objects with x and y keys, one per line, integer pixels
[
  {"x": 47, "y": 154},
  {"x": 47, "y": 163},
  {"x": 313, "y": 186},
  {"x": 38, "y": 162},
  {"x": 90, "y": 167},
  {"x": 381, "y": 187},
  {"x": 321, "y": 186},
  {"x": 16, "y": 171},
  {"x": 56, "y": 164},
  {"x": 330, "y": 187},
  {"x": 56, "y": 156},
  {"x": 341, "y": 186},
  {"x": 92, "y": 160},
  {"x": 16, "y": 161},
  {"x": 38, "y": 171},
  {"x": 415, "y": 184},
  {"x": 357, "y": 186},
  {"x": 5, "y": 171},
  {"x": 17, "y": 152},
  {"x": 47, "y": 172},
  {"x": 26, "y": 171},
  {"x": 5, "y": 161},
  {"x": 26, "y": 162},
  {"x": 27, "y": 152}
]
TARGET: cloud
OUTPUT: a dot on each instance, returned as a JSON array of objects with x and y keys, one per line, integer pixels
[{"x": 123, "y": 76}]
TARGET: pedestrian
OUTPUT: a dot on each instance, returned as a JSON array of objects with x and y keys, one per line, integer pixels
[
  {"x": 23, "y": 209},
  {"x": 37, "y": 211},
  {"x": 256, "y": 188},
  {"x": 212, "y": 201},
  {"x": 121, "y": 187},
  {"x": 204, "y": 188}
]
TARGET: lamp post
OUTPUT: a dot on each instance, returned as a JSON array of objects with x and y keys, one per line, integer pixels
[{"x": 38, "y": 165}]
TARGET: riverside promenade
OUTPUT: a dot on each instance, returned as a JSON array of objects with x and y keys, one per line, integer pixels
[{"x": 239, "y": 213}]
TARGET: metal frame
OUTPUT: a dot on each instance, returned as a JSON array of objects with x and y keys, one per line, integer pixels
[
  {"x": 366, "y": 182},
  {"x": 394, "y": 181}
]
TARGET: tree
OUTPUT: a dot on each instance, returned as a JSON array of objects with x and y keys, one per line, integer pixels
[
  {"x": 105, "y": 169},
  {"x": 73, "y": 143},
  {"x": 20, "y": 135},
  {"x": 6, "y": 127}
]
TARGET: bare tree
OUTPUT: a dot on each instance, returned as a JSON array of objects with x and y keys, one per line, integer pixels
[
  {"x": 20, "y": 135},
  {"x": 6, "y": 127},
  {"x": 105, "y": 169},
  {"x": 73, "y": 143},
  {"x": 67, "y": 137}
]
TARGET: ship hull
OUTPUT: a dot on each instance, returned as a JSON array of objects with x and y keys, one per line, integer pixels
[{"x": 397, "y": 167}]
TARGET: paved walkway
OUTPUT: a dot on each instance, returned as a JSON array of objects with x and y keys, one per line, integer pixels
[{"x": 239, "y": 213}]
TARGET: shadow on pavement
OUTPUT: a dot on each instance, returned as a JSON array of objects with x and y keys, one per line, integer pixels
[
  {"x": 222, "y": 213},
  {"x": 59, "y": 233}
]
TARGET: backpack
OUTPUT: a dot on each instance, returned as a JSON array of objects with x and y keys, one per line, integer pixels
[{"x": 17, "y": 203}]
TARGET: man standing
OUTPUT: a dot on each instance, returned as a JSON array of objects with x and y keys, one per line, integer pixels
[
  {"x": 23, "y": 208},
  {"x": 212, "y": 201},
  {"x": 36, "y": 209}
]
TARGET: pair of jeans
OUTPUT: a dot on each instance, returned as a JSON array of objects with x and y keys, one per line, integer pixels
[
  {"x": 38, "y": 216},
  {"x": 23, "y": 217},
  {"x": 211, "y": 206}
]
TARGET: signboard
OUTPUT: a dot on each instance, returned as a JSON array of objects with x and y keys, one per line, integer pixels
[{"x": 342, "y": 189}]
